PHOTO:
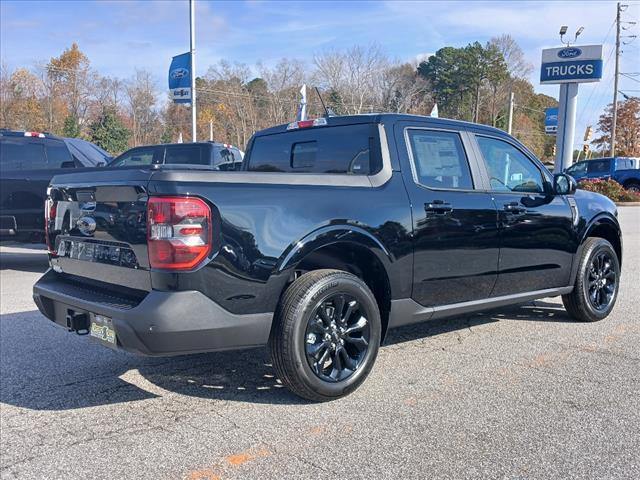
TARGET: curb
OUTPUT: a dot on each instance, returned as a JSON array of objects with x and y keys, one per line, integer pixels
[{"x": 628, "y": 204}]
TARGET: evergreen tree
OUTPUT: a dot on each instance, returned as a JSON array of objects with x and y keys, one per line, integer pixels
[
  {"x": 71, "y": 127},
  {"x": 108, "y": 132}
]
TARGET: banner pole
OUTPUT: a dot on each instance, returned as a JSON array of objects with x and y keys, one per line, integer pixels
[{"x": 192, "y": 28}]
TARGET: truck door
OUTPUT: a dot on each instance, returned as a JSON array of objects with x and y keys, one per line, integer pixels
[
  {"x": 537, "y": 236},
  {"x": 599, "y": 168},
  {"x": 455, "y": 230}
]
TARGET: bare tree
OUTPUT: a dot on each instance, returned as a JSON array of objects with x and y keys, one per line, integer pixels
[
  {"x": 5, "y": 95},
  {"x": 517, "y": 64},
  {"x": 354, "y": 78},
  {"x": 404, "y": 91},
  {"x": 283, "y": 83},
  {"x": 141, "y": 100}
]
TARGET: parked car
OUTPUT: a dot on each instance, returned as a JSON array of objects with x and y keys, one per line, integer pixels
[
  {"x": 217, "y": 156},
  {"x": 28, "y": 162},
  {"x": 335, "y": 231},
  {"x": 624, "y": 170}
]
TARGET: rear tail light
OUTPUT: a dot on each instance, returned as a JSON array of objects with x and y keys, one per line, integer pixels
[
  {"x": 178, "y": 232},
  {"x": 50, "y": 211}
]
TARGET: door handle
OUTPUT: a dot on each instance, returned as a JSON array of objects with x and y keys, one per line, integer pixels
[
  {"x": 439, "y": 207},
  {"x": 514, "y": 207}
]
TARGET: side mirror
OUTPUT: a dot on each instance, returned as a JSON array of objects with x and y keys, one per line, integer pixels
[
  {"x": 564, "y": 184},
  {"x": 68, "y": 164}
]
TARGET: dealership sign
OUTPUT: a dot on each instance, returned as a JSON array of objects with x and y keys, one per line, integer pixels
[
  {"x": 180, "y": 78},
  {"x": 571, "y": 64}
]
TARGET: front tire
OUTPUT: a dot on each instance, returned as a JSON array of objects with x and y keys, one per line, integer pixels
[
  {"x": 597, "y": 281},
  {"x": 326, "y": 335}
]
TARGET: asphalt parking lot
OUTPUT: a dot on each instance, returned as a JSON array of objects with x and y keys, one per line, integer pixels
[{"x": 521, "y": 392}]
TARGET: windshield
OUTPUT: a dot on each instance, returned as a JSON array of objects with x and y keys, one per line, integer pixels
[
  {"x": 580, "y": 167},
  {"x": 226, "y": 158},
  {"x": 88, "y": 153}
]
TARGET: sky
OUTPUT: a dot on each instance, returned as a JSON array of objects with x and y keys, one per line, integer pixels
[{"x": 120, "y": 36}]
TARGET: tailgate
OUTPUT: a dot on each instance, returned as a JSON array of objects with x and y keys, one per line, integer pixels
[{"x": 97, "y": 227}]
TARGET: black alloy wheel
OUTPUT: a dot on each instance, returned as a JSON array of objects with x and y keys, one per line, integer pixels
[
  {"x": 337, "y": 338},
  {"x": 601, "y": 280},
  {"x": 596, "y": 283},
  {"x": 325, "y": 335}
]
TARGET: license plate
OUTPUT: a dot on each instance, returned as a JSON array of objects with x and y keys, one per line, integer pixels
[{"x": 102, "y": 330}]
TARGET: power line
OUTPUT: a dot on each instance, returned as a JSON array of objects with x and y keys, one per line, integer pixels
[{"x": 606, "y": 37}]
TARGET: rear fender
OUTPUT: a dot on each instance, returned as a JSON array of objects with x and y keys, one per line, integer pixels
[{"x": 329, "y": 235}]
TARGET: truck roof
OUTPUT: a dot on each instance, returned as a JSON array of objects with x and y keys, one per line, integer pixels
[{"x": 390, "y": 118}]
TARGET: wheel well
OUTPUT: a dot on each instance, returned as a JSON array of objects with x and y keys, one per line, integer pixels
[
  {"x": 359, "y": 261},
  {"x": 610, "y": 234},
  {"x": 632, "y": 181}
]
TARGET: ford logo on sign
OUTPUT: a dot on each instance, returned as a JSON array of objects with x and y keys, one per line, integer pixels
[
  {"x": 570, "y": 52},
  {"x": 179, "y": 73}
]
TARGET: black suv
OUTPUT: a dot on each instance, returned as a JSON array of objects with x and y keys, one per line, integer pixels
[
  {"x": 28, "y": 162},
  {"x": 211, "y": 155}
]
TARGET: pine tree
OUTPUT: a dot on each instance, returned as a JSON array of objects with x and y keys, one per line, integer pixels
[
  {"x": 108, "y": 132},
  {"x": 71, "y": 127}
]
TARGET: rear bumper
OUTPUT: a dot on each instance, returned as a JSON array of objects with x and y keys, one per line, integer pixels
[{"x": 159, "y": 324}]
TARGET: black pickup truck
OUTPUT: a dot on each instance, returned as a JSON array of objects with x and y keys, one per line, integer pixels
[{"x": 335, "y": 231}]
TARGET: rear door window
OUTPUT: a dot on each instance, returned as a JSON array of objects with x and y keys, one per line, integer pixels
[
  {"x": 185, "y": 154},
  {"x": 439, "y": 159},
  {"x": 348, "y": 149}
]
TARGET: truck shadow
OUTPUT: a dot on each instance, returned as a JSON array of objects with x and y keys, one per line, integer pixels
[{"x": 42, "y": 367}]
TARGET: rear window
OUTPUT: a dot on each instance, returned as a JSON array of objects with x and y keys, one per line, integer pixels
[
  {"x": 185, "y": 154},
  {"x": 625, "y": 163},
  {"x": 31, "y": 154},
  {"x": 351, "y": 149}
]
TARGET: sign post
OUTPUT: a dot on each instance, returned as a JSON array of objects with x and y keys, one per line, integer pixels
[
  {"x": 569, "y": 66},
  {"x": 192, "y": 50}
]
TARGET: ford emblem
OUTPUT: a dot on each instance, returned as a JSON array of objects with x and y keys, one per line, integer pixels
[
  {"x": 179, "y": 73},
  {"x": 86, "y": 225},
  {"x": 570, "y": 52}
]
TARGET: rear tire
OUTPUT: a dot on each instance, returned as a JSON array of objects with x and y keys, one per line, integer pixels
[
  {"x": 326, "y": 335},
  {"x": 597, "y": 281}
]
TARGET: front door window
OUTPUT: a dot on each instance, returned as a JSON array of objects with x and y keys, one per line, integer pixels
[{"x": 509, "y": 169}]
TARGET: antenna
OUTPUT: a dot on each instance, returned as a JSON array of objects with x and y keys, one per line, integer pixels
[{"x": 327, "y": 111}]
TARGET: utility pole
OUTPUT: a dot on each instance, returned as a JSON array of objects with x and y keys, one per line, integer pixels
[
  {"x": 192, "y": 27},
  {"x": 511, "y": 102},
  {"x": 211, "y": 130},
  {"x": 615, "y": 83}
]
